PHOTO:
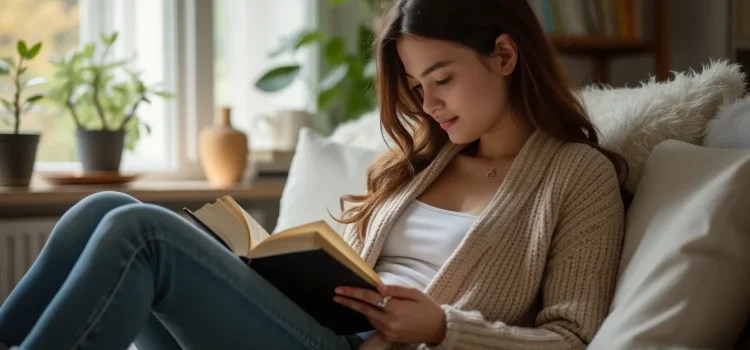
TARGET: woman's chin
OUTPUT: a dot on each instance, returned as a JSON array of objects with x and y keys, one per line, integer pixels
[{"x": 460, "y": 138}]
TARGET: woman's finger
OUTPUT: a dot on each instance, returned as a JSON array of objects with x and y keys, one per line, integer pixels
[
  {"x": 364, "y": 308},
  {"x": 366, "y": 295}
]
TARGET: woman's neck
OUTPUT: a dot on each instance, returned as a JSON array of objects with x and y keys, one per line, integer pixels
[{"x": 504, "y": 141}]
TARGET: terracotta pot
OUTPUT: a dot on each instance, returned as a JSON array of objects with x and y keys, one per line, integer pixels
[{"x": 223, "y": 151}]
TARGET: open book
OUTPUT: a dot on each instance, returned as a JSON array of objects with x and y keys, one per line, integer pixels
[{"x": 306, "y": 262}]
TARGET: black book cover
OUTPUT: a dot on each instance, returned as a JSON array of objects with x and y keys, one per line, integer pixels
[{"x": 309, "y": 278}]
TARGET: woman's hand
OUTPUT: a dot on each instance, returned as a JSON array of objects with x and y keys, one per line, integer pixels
[{"x": 409, "y": 317}]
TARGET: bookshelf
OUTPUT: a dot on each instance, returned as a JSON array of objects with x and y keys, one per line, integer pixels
[
  {"x": 604, "y": 30},
  {"x": 739, "y": 34}
]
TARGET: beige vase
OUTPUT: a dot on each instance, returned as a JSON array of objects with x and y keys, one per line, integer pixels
[{"x": 223, "y": 151}]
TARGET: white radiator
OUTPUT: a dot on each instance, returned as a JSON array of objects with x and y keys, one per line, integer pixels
[{"x": 20, "y": 244}]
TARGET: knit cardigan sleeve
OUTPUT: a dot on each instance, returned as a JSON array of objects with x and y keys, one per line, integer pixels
[{"x": 580, "y": 273}]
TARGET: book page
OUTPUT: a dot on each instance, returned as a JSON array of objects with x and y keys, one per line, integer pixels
[
  {"x": 255, "y": 231},
  {"x": 224, "y": 224}
]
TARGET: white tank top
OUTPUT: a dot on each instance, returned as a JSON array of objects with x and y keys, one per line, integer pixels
[{"x": 420, "y": 242}]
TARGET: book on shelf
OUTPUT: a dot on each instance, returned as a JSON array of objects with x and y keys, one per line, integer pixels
[
  {"x": 306, "y": 262},
  {"x": 609, "y": 18}
]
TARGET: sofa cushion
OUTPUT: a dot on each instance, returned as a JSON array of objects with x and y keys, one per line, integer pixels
[
  {"x": 321, "y": 172},
  {"x": 683, "y": 280}
]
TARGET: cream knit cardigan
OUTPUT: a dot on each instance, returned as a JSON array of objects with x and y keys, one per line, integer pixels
[{"x": 537, "y": 270}]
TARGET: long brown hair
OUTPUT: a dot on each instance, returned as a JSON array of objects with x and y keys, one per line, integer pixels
[{"x": 540, "y": 91}]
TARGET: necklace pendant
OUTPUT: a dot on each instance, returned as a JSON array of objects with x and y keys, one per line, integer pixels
[{"x": 491, "y": 174}]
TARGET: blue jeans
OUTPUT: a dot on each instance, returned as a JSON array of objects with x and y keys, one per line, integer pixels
[{"x": 116, "y": 271}]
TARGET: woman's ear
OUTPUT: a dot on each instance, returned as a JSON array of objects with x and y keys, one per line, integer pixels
[{"x": 505, "y": 55}]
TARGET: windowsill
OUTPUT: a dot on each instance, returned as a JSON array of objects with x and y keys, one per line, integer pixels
[{"x": 42, "y": 193}]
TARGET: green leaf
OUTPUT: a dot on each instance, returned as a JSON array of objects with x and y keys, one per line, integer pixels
[
  {"x": 369, "y": 71},
  {"x": 108, "y": 40},
  {"x": 140, "y": 88},
  {"x": 34, "y": 51},
  {"x": 335, "y": 51},
  {"x": 327, "y": 97},
  {"x": 34, "y": 98},
  {"x": 278, "y": 78},
  {"x": 298, "y": 40},
  {"x": 365, "y": 41},
  {"x": 147, "y": 128},
  {"x": 4, "y": 69},
  {"x": 22, "y": 49},
  {"x": 7, "y": 104},
  {"x": 334, "y": 77},
  {"x": 146, "y": 99},
  {"x": 34, "y": 82},
  {"x": 309, "y": 38},
  {"x": 339, "y": 2},
  {"x": 164, "y": 94},
  {"x": 88, "y": 51}
]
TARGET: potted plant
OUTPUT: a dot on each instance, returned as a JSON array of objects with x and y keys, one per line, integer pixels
[
  {"x": 102, "y": 96},
  {"x": 349, "y": 82},
  {"x": 18, "y": 150}
]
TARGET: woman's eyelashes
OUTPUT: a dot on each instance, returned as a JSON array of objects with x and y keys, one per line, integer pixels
[
  {"x": 418, "y": 87},
  {"x": 443, "y": 81}
]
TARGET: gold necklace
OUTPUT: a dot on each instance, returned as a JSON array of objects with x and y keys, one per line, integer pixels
[{"x": 492, "y": 173}]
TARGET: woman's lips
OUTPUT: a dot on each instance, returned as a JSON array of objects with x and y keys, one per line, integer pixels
[{"x": 448, "y": 123}]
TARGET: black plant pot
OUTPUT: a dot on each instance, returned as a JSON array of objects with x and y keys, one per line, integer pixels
[
  {"x": 17, "y": 158},
  {"x": 100, "y": 150}
]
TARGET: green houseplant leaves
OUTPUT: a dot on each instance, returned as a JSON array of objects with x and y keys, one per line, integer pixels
[
  {"x": 348, "y": 84},
  {"x": 103, "y": 94},
  {"x": 20, "y": 102}
]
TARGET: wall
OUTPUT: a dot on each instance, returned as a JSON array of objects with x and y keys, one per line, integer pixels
[{"x": 699, "y": 32}]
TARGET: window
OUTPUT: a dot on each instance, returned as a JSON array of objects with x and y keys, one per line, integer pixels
[
  {"x": 208, "y": 52},
  {"x": 56, "y": 23},
  {"x": 246, "y": 32}
]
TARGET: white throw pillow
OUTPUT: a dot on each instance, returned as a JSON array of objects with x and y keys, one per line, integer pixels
[
  {"x": 320, "y": 173},
  {"x": 684, "y": 281},
  {"x": 731, "y": 127},
  {"x": 634, "y": 120}
]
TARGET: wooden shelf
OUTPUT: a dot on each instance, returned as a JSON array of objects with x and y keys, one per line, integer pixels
[
  {"x": 600, "y": 45},
  {"x": 40, "y": 193}
]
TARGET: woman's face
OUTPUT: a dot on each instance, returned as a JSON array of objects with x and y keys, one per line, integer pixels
[{"x": 465, "y": 93}]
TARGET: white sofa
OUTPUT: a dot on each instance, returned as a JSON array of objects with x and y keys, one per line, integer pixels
[{"x": 682, "y": 281}]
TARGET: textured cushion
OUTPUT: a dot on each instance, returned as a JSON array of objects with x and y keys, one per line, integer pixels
[
  {"x": 684, "y": 280},
  {"x": 634, "y": 120},
  {"x": 320, "y": 173},
  {"x": 731, "y": 127}
]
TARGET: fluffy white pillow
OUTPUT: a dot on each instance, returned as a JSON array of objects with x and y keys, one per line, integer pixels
[
  {"x": 320, "y": 173},
  {"x": 684, "y": 281},
  {"x": 731, "y": 127},
  {"x": 634, "y": 120}
]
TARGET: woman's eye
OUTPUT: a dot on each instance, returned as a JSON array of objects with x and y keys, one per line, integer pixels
[
  {"x": 443, "y": 82},
  {"x": 417, "y": 88}
]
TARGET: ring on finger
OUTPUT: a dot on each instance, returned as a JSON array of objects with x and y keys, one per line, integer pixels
[{"x": 384, "y": 301}]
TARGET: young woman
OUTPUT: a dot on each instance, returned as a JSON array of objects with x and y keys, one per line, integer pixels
[{"x": 495, "y": 224}]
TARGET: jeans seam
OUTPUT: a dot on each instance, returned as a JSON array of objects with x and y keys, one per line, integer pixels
[
  {"x": 301, "y": 337},
  {"x": 110, "y": 298}
]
